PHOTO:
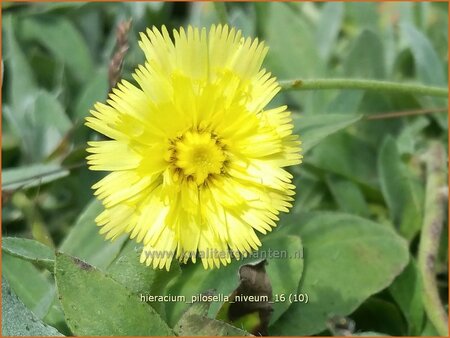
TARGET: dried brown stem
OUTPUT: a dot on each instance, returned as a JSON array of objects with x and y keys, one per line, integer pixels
[
  {"x": 397, "y": 114},
  {"x": 115, "y": 66}
]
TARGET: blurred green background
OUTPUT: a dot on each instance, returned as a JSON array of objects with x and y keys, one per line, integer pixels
[{"x": 360, "y": 192}]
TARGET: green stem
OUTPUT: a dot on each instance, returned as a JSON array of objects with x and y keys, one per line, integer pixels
[
  {"x": 435, "y": 202},
  {"x": 375, "y": 85}
]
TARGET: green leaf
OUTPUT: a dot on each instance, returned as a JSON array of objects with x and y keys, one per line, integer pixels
[
  {"x": 407, "y": 292},
  {"x": 381, "y": 316},
  {"x": 62, "y": 39},
  {"x": 346, "y": 102},
  {"x": 29, "y": 250},
  {"x": 309, "y": 193},
  {"x": 195, "y": 325},
  {"x": 335, "y": 154},
  {"x": 403, "y": 195},
  {"x": 85, "y": 242},
  {"x": 348, "y": 259},
  {"x": 18, "y": 320},
  {"x": 362, "y": 15},
  {"x": 95, "y": 304},
  {"x": 39, "y": 230},
  {"x": 93, "y": 91},
  {"x": 429, "y": 330},
  {"x": 204, "y": 14},
  {"x": 139, "y": 278},
  {"x": 34, "y": 115},
  {"x": 410, "y": 136},
  {"x": 293, "y": 52},
  {"x": 194, "y": 322},
  {"x": 41, "y": 125},
  {"x": 50, "y": 122},
  {"x": 370, "y": 334},
  {"x": 243, "y": 20},
  {"x": 428, "y": 65},
  {"x": 31, "y": 176},
  {"x": 314, "y": 128},
  {"x": 374, "y": 131},
  {"x": 49, "y": 7},
  {"x": 55, "y": 316},
  {"x": 284, "y": 274},
  {"x": 33, "y": 288},
  {"x": 365, "y": 59},
  {"x": 22, "y": 84},
  {"x": 291, "y": 39},
  {"x": 348, "y": 195},
  {"x": 328, "y": 28}
]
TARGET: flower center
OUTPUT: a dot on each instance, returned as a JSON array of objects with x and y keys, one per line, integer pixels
[{"x": 198, "y": 155}]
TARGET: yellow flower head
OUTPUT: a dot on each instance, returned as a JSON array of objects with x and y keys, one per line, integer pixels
[{"x": 196, "y": 162}]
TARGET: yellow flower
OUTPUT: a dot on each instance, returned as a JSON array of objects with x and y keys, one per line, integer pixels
[{"x": 196, "y": 161}]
